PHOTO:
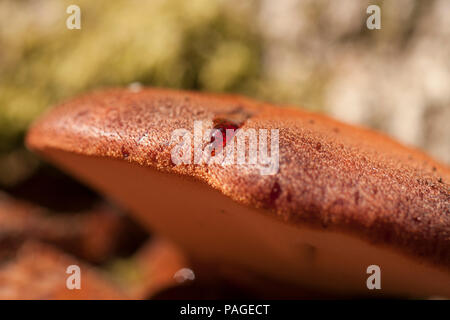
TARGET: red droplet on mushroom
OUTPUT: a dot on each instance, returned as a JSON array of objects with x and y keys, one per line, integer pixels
[{"x": 222, "y": 126}]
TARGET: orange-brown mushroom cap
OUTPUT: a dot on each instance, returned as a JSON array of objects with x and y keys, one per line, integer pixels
[{"x": 332, "y": 177}]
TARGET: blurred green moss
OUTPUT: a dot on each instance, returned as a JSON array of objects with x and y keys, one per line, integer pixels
[
  {"x": 172, "y": 43},
  {"x": 179, "y": 44}
]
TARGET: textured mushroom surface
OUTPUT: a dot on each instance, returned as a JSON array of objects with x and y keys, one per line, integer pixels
[{"x": 333, "y": 178}]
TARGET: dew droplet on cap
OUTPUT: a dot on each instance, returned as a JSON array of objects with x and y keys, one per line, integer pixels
[{"x": 183, "y": 275}]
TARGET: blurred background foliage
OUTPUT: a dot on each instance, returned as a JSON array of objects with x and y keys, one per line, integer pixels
[{"x": 316, "y": 54}]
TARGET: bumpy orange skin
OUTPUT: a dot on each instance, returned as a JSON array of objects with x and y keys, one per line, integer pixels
[{"x": 332, "y": 176}]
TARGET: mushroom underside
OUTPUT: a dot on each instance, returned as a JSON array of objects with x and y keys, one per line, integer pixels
[{"x": 226, "y": 235}]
